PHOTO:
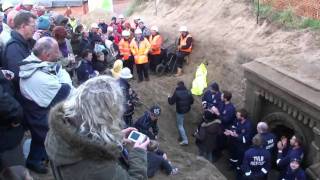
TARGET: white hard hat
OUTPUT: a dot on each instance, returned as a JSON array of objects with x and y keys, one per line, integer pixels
[
  {"x": 183, "y": 29},
  {"x": 110, "y": 28},
  {"x": 28, "y": 2},
  {"x": 94, "y": 25},
  {"x": 138, "y": 31},
  {"x": 121, "y": 16},
  {"x": 136, "y": 18},
  {"x": 154, "y": 28},
  {"x": 125, "y": 73},
  {"x": 6, "y": 5},
  {"x": 125, "y": 33}
]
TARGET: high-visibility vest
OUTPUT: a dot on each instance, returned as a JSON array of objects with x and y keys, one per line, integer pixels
[
  {"x": 140, "y": 51},
  {"x": 156, "y": 43},
  {"x": 124, "y": 48},
  {"x": 200, "y": 81},
  {"x": 183, "y": 42}
]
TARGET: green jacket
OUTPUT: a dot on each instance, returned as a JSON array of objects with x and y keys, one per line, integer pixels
[{"x": 75, "y": 157}]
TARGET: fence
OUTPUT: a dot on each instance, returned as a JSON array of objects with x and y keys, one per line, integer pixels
[{"x": 306, "y": 8}]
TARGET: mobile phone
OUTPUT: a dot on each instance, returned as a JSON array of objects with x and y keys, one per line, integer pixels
[{"x": 136, "y": 136}]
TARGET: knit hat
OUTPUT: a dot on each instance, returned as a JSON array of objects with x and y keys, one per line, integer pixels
[
  {"x": 43, "y": 23},
  {"x": 59, "y": 32},
  {"x": 155, "y": 110},
  {"x": 117, "y": 67},
  {"x": 61, "y": 20},
  {"x": 214, "y": 86}
]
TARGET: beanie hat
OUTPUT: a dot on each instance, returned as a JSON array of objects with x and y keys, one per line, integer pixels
[
  {"x": 214, "y": 86},
  {"x": 155, "y": 110},
  {"x": 43, "y": 23}
]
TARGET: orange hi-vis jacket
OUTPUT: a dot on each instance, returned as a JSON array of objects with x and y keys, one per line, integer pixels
[
  {"x": 156, "y": 43},
  {"x": 183, "y": 42},
  {"x": 124, "y": 48},
  {"x": 140, "y": 51}
]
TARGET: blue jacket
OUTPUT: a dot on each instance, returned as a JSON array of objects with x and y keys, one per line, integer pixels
[
  {"x": 227, "y": 115},
  {"x": 16, "y": 50},
  {"x": 211, "y": 99},
  {"x": 144, "y": 123},
  {"x": 269, "y": 141},
  {"x": 256, "y": 163},
  {"x": 84, "y": 71},
  {"x": 283, "y": 159},
  {"x": 244, "y": 131},
  {"x": 294, "y": 175}
]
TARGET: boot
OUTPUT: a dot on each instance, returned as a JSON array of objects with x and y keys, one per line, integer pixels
[{"x": 179, "y": 72}]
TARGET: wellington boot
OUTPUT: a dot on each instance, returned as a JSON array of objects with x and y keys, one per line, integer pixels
[{"x": 179, "y": 72}]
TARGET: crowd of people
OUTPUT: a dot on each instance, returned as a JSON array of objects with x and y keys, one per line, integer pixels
[{"x": 69, "y": 87}]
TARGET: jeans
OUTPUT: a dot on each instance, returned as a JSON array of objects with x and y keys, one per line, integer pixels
[{"x": 182, "y": 132}]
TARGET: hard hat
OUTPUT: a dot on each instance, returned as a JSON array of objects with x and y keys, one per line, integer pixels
[
  {"x": 125, "y": 73},
  {"x": 28, "y": 2},
  {"x": 140, "y": 21},
  {"x": 138, "y": 31},
  {"x": 6, "y": 5},
  {"x": 121, "y": 16},
  {"x": 183, "y": 29},
  {"x": 155, "y": 28},
  {"x": 94, "y": 25},
  {"x": 155, "y": 110},
  {"x": 110, "y": 28},
  {"x": 136, "y": 18},
  {"x": 125, "y": 33}
]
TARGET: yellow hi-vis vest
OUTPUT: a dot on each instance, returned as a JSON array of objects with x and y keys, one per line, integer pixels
[{"x": 200, "y": 81}]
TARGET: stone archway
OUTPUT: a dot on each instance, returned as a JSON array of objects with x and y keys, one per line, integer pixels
[{"x": 282, "y": 119}]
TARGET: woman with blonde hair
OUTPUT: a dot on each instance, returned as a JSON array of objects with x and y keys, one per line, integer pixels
[{"x": 85, "y": 139}]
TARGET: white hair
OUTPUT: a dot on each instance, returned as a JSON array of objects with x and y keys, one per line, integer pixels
[
  {"x": 262, "y": 127},
  {"x": 97, "y": 108}
]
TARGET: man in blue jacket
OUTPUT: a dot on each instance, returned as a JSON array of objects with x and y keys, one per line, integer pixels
[
  {"x": 212, "y": 97},
  {"x": 240, "y": 138},
  {"x": 20, "y": 45},
  {"x": 256, "y": 162},
  {"x": 85, "y": 70},
  {"x": 226, "y": 111},
  {"x": 149, "y": 121},
  {"x": 43, "y": 83},
  {"x": 288, "y": 152},
  {"x": 269, "y": 139},
  {"x": 183, "y": 99},
  {"x": 294, "y": 171}
]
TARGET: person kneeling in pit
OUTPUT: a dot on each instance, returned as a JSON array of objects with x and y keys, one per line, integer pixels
[
  {"x": 149, "y": 120},
  {"x": 157, "y": 159}
]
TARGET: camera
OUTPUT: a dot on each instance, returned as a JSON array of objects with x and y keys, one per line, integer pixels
[{"x": 136, "y": 136}]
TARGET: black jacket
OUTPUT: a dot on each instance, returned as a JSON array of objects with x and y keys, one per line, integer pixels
[
  {"x": 183, "y": 99},
  {"x": 207, "y": 136},
  {"x": 16, "y": 50},
  {"x": 10, "y": 112}
]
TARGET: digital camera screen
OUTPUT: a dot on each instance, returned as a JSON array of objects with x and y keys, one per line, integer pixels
[{"x": 135, "y": 135}]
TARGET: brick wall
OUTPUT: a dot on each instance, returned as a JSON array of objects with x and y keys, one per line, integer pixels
[{"x": 307, "y": 8}]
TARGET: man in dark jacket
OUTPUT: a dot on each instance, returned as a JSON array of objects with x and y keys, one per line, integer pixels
[
  {"x": 20, "y": 45},
  {"x": 149, "y": 120},
  {"x": 227, "y": 111},
  {"x": 207, "y": 135},
  {"x": 240, "y": 138},
  {"x": 43, "y": 83},
  {"x": 269, "y": 139},
  {"x": 256, "y": 161},
  {"x": 183, "y": 99},
  {"x": 294, "y": 171},
  {"x": 212, "y": 97},
  {"x": 85, "y": 70},
  {"x": 11, "y": 131}
]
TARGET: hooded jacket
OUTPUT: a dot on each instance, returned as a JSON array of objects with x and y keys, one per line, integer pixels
[
  {"x": 41, "y": 81},
  {"x": 183, "y": 99},
  {"x": 207, "y": 137},
  {"x": 78, "y": 157}
]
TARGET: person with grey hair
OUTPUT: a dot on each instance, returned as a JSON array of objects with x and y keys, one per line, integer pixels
[
  {"x": 85, "y": 139},
  {"x": 43, "y": 83},
  {"x": 269, "y": 139},
  {"x": 256, "y": 162},
  {"x": 5, "y": 35}
]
